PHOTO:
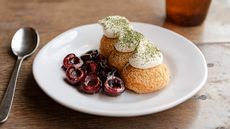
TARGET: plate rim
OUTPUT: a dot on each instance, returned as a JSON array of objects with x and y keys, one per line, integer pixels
[{"x": 127, "y": 114}]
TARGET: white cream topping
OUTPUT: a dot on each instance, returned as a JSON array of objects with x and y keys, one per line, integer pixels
[
  {"x": 113, "y": 25},
  {"x": 146, "y": 56},
  {"x": 128, "y": 41}
]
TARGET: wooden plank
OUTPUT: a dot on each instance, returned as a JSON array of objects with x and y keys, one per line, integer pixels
[{"x": 209, "y": 109}]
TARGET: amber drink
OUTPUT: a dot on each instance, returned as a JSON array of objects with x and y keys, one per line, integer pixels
[{"x": 187, "y": 12}]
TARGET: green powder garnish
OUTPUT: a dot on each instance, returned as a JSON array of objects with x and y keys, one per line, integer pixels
[
  {"x": 151, "y": 50},
  {"x": 147, "y": 51},
  {"x": 129, "y": 39},
  {"x": 115, "y": 23}
]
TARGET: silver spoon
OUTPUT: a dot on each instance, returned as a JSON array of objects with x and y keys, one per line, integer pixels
[{"x": 23, "y": 44}]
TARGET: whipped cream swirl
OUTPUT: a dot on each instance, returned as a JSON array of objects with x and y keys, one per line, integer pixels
[
  {"x": 146, "y": 56},
  {"x": 113, "y": 25}
]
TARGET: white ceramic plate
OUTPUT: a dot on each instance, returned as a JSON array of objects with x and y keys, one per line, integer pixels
[{"x": 186, "y": 63}]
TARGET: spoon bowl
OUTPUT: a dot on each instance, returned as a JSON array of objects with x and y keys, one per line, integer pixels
[{"x": 25, "y": 42}]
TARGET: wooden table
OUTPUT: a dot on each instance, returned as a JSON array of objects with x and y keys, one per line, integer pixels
[{"x": 32, "y": 108}]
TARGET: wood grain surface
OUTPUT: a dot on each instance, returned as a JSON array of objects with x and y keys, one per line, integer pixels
[{"x": 33, "y": 109}]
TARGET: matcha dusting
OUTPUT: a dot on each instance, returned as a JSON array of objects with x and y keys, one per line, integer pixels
[
  {"x": 114, "y": 25},
  {"x": 114, "y": 21},
  {"x": 146, "y": 55},
  {"x": 148, "y": 52},
  {"x": 130, "y": 37},
  {"x": 128, "y": 40}
]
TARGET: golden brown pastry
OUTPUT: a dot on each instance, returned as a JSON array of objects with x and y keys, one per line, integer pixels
[
  {"x": 145, "y": 80},
  {"x": 119, "y": 59},
  {"x": 112, "y": 27},
  {"x": 137, "y": 59},
  {"x": 107, "y": 45}
]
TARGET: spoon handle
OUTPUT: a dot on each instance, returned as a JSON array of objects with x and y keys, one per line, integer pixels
[{"x": 9, "y": 94}]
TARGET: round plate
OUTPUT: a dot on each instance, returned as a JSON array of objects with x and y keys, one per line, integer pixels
[{"x": 188, "y": 72}]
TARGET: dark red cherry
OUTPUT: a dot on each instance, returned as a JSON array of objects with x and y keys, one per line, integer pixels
[
  {"x": 102, "y": 62},
  {"x": 74, "y": 75},
  {"x": 113, "y": 72},
  {"x": 113, "y": 86},
  {"x": 90, "y": 55},
  {"x": 90, "y": 67},
  {"x": 91, "y": 84},
  {"x": 93, "y": 75},
  {"x": 71, "y": 60},
  {"x": 107, "y": 71},
  {"x": 103, "y": 73},
  {"x": 101, "y": 58},
  {"x": 85, "y": 57},
  {"x": 93, "y": 53}
]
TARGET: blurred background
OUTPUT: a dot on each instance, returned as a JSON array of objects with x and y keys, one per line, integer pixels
[{"x": 52, "y": 17}]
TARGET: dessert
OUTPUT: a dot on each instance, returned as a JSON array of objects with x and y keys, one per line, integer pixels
[
  {"x": 123, "y": 51},
  {"x": 138, "y": 60},
  {"x": 112, "y": 27},
  {"x": 145, "y": 80},
  {"x": 146, "y": 72}
]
